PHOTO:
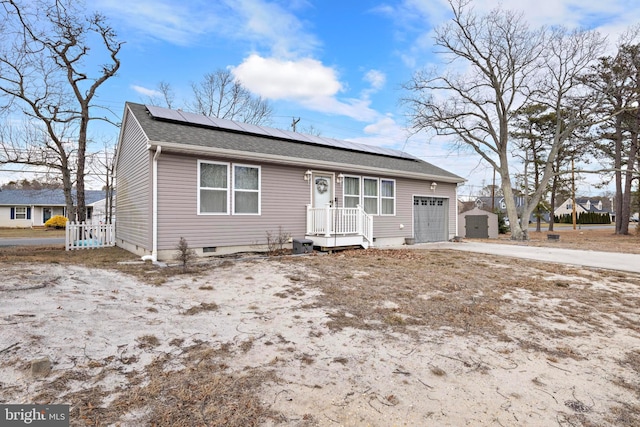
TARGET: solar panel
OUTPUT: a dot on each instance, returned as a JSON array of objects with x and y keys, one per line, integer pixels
[
  {"x": 279, "y": 133},
  {"x": 255, "y": 129},
  {"x": 197, "y": 119},
  {"x": 165, "y": 113},
  {"x": 226, "y": 124},
  {"x": 214, "y": 122},
  {"x": 296, "y": 136}
]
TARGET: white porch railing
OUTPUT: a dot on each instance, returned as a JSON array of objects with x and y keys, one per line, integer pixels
[
  {"x": 89, "y": 236},
  {"x": 330, "y": 221}
]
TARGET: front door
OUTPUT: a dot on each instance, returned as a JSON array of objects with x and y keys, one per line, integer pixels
[
  {"x": 322, "y": 189},
  {"x": 46, "y": 214}
]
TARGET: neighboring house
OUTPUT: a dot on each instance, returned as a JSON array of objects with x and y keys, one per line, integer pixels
[
  {"x": 500, "y": 206},
  {"x": 224, "y": 185},
  {"x": 477, "y": 223},
  {"x": 600, "y": 205},
  {"x": 28, "y": 208}
]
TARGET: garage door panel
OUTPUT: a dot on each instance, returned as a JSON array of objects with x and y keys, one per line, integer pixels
[{"x": 430, "y": 219}]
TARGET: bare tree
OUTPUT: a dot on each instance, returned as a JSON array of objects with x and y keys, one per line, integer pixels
[
  {"x": 220, "y": 95},
  {"x": 102, "y": 165},
  {"x": 166, "y": 95},
  {"x": 506, "y": 67},
  {"x": 499, "y": 56},
  {"x": 44, "y": 51}
]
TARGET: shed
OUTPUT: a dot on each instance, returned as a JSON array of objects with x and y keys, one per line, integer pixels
[{"x": 478, "y": 224}]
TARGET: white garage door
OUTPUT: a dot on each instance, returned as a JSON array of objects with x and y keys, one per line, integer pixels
[{"x": 430, "y": 216}]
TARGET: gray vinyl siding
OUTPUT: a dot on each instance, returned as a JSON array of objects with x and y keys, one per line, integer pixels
[
  {"x": 389, "y": 226},
  {"x": 133, "y": 204},
  {"x": 284, "y": 196}
]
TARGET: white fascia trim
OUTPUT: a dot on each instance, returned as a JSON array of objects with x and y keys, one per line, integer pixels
[{"x": 293, "y": 161}]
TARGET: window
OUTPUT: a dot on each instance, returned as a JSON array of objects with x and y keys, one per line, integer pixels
[
  {"x": 370, "y": 195},
  {"x": 217, "y": 189},
  {"x": 246, "y": 189},
  {"x": 351, "y": 191},
  {"x": 21, "y": 212},
  {"x": 387, "y": 197},
  {"x": 213, "y": 188}
]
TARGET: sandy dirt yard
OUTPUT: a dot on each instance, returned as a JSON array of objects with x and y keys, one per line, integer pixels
[{"x": 358, "y": 338}]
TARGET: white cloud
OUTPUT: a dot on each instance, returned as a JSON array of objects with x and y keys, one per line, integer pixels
[
  {"x": 376, "y": 79},
  {"x": 385, "y": 132},
  {"x": 305, "y": 81},
  {"x": 271, "y": 25},
  {"x": 287, "y": 79},
  {"x": 179, "y": 23},
  {"x": 261, "y": 23},
  {"x": 146, "y": 92}
]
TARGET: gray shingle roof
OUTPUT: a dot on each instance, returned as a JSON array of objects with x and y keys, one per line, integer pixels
[
  {"x": 162, "y": 130},
  {"x": 44, "y": 197}
]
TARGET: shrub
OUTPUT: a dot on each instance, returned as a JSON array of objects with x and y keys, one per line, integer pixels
[
  {"x": 57, "y": 221},
  {"x": 276, "y": 242},
  {"x": 184, "y": 254}
]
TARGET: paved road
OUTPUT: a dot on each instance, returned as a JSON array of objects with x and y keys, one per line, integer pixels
[
  {"x": 606, "y": 260},
  {"x": 32, "y": 241}
]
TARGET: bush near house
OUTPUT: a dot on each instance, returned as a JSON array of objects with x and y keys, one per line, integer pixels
[
  {"x": 584, "y": 218},
  {"x": 57, "y": 221}
]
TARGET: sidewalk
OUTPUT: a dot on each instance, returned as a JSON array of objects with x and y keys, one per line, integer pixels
[{"x": 606, "y": 260}]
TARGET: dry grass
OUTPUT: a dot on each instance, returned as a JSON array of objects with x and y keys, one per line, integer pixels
[
  {"x": 598, "y": 239},
  {"x": 203, "y": 393},
  {"x": 396, "y": 291},
  {"x": 112, "y": 258}
]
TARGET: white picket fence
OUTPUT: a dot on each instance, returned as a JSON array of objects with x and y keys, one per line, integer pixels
[{"x": 89, "y": 236}]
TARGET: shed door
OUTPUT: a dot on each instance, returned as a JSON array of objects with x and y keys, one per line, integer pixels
[
  {"x": 477, "y": 226},
  {"x": 430, "y": 219}
]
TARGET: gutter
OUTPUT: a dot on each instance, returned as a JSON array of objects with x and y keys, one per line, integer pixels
[{"x": 154, "y": 222}]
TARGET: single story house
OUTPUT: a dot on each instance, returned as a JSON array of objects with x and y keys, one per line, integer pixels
[
  {"x": 29, "y": 208},
  {"x": 224, "y": 186}
]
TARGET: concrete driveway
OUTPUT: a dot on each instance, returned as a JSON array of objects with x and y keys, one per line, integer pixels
[{"x": 606, "y": 260}]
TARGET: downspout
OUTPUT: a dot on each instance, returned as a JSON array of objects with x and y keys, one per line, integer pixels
[
  {"x": 154, "y": 221},
  {"x": 455, "y": 202}
]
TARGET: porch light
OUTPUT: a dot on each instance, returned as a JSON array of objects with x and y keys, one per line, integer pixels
[
  {"x": 340, "y": 178},
  {"x": 307, "y": 175},
  {"x": 433, "y": 186}
]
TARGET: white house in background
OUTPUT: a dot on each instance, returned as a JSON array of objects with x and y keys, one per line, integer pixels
[
  {"x": 601, "y": 205},
  {"x": 223, "y": 185},
  {"x": 29, "y": 208}
]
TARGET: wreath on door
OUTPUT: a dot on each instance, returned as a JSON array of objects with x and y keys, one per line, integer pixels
[{"x": 322, "y": 185}]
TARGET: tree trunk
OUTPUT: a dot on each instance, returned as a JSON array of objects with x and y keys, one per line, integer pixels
[
  {"x": 625, "y": 214},
  {"x": 554, "y": 188},
  {"x": 617, "y": 165}
]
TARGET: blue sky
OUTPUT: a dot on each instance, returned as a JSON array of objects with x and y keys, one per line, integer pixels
[{"x": 337, "y": 65}]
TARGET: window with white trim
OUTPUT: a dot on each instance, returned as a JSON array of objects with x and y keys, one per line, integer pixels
[
  {"x": 246, "y": 189},
  {"x": 21, "y": 212},
  {"x": 387, "y": 197},
  {"x": 351, "y": 191},
  {"x": 370, "y": 195},
  {"x": 213, "y": 188}
]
